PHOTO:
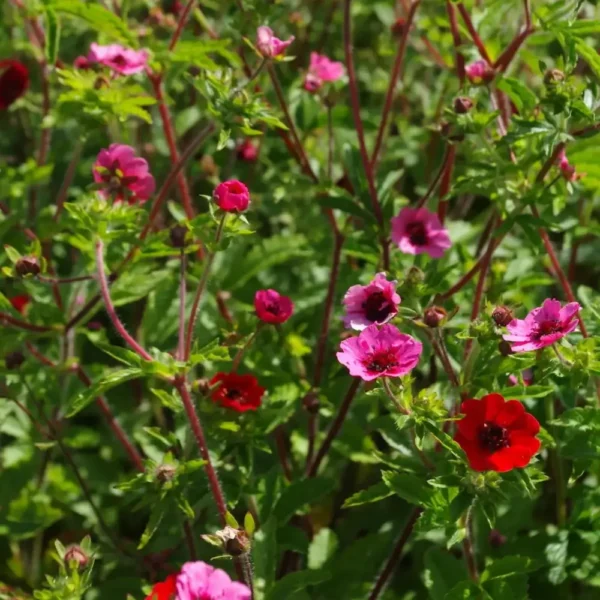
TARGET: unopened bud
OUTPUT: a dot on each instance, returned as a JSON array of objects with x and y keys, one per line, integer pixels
[
  {"x": 202, "y": 386},
  {"x": 504, "y": 348},
  {"x": 76, "y": 556},
  {"x": 14, "y": 360},
  {"x": 502, "y": 315},
  {"x": 398, "y": 27},
  {"x": 496, "y": 539},
  {"x": 27, "y": 265},
  {"x": 165, "y": 473},
  {"x": 462, "y": 105},
  {"x": 311, "y": 403},
  {"x": 434, "y": 316},
  {"x": 177, "y": 236},
  {"x": 415, "y": 276},
  {"x": 553, "y": 76},
  {"x": 235, "y": 541}
]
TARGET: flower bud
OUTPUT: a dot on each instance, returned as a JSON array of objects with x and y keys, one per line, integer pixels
[
  {"x": 76, "y": 556},
  {"x": 202, "y": 386},
  {"x": 553, "y": 76},
  {"x": 14, "y": 360},
  {"x": 434, "y": 316},
  {"x": 502, "y": 315},
  {"x": 462, "y": 105},
  {"x": 232, "y": 196},
  {"x": 504, "y": 348},
  {"x": 415, "y": 276},
  {"x": 496, "y": 539},
  {"x": 311, "y": 403},
  {"x": 235, "y": 541},
  {"x": 177, "y": 236},
  {"x": 165, "y": 473},
  {"x": 398, "y": 27},
  {"x": 27, "y": 265}
]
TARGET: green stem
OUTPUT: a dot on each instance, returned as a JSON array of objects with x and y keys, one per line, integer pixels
[{"x": 557, "y": 469}]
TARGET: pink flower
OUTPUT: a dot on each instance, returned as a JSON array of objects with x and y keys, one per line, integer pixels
[
  {"x": 199, "y": 581},
  {"x": 543, "y": 326},
  {"x": 268, "y": 45},
  {"x": 320, "y": 70},
  {"x": 379, "y": 352},
  {"x": 416, "y": 230},
  {"x": 375, "y": 303},
  {"x": 122, "y": 60},
  {"x": 479, "y": 72},
  {"x": 567, "y": 169},
  {"x": 526, "y": 375},
  {"x": 232, "y": 196},
  {"x": 247, "y": 151},
  {"x": 122, "y": 175},
  {"x": 272, "y": 307}
]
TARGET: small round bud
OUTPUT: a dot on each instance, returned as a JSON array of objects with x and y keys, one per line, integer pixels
[
  {"x": 165, "y": 473},
  {"x": 502, "y": 315},
  {"x": 553, "y": 76},
  {"x": 76, "y": 556},
  {"x": 27, "y": 265},
  {"x": 398, "y": 27},
  {"x": 311, "y": 403},
  {"x": 202, "y": 386},
  {"x": 415, "y": 276},
  {"x": 434, "y": 316},
  {"x": 462, "y": 105},
  {"x": 14, "y": 360},
  {"x": 496, "y": 539},
  {"x": 177, "y": 236},
  {"x": 504, "y": 348},
  {"x": 235, "y": 541}
]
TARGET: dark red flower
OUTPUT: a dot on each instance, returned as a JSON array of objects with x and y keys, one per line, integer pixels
[
  {"x": 238, "y": 392},
  {"x": 165, "y": 590},
  {"x": 14, "y": 80},
  {"x": 19, "y": 303},
  {"x": 272, "y": 307},
  {"x": 497, "y": 435}
]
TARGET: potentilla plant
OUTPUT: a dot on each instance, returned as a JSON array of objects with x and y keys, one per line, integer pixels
[{"x": 299, "y": 300}]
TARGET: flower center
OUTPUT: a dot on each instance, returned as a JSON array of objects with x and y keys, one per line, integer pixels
[
  {"x": 416, "y": 233},
  {"x": 273, "y": 309},
  {"x": 380, "y": 361},
  {"x": 119, "y": 60},
  {"x": 233, "y": 393},
  {"x": 492, "y": 437},
  {"x": 377, "y": 307},
  {"x": 549, "y": 327}
]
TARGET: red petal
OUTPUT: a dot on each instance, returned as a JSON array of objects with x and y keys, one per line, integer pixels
[
  {"x": 502, "y": 461},
  {"x": 527, "y": 424},
  {"x": 476, "y": 457},
  {"x": 493, "y": 403},
  {"x": 510, "y": 413}
]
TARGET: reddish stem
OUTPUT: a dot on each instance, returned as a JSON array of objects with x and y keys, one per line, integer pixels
[
  {"x": 464, "y": 13},
  {"x": 282, "y": 453},
  {"x": 182, "y": 294},
  {"x": 183, "y": 17},
  {"x": 457, "y": 41},
  {"x": 6, "y": 319},
  {"x": 446, "y": 182},
  {"x": 507, "y": 56},
  {"x": 437, "y": 178}
]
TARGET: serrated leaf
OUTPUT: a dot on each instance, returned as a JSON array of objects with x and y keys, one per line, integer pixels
[
  {"x": 409, "y": 487},
  {"x": 375, "y": 493},
  {"x": 52, "y": 36}
]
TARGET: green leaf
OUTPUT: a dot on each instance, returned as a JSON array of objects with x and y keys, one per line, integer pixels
[
  {"x": 589, "y": 55},
  {"x": 123, "y": 355},
  {"x": 224, "y": 136},
  {"x": 443, "y": 573},
  {"x": 375, "y": 493},
  {"x": 265, "y": 552},
  {"x": 249, "y": 524},
  {"x": 52, "y": 36},
  {"x": 323, "y": 545},
  {"x": 509, "y": 566},
  {"x": 409, "y": 487},
  {"x": 518, "y": 92},
  {"x": 99, "y": 387},
  {"x": 156, "y": 517},
  {"x": 295, "y": 582},
  {"x": 299, "y": 494}
]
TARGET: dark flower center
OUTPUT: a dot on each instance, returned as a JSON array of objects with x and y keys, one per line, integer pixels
[
  {"x": 377, "y": 307},
  {"x": 549, "y": 327},
  {"x": 232, "y": 393},
  {"x": 273, "y": 308},
  {"x": 119, "y": 60},
  {"x": 492, "y": 437},
  {"x": 416, "y": 233},
  {"x": 380, "y": 361}
]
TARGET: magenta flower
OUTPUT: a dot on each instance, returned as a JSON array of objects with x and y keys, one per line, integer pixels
[
  {"x": 526, "y": 375},
  {"x": 543, "y": 326},
  {"x": 416, "y": 230},
  {"x": 479, "y": 72},
  {"x": 122, "y": 175},
  {"x": 121, "y": 60},
  {"x": 566, "y": 168},
  {"x": 375, "y": 303},
  {"x": 379, "y": 352},
  {"x": 232, "y": 196},
  {"x": 320, "y": 70},
  {"x": 268, "y": 45},
  {"x": 199, "y": 581},
  {"x": 272, "y": 307}
]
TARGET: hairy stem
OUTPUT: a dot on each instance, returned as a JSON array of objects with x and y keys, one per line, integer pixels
[{"x": 182, "y": 293}]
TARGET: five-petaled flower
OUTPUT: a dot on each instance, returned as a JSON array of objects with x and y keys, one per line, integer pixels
[
  {"x": 122, "y": 175},
  {"x": 164, "y": 590},
  {"x": 380, "y": 352},
  {"x": 232, "y": 196},
  {"x": 417, "y": 230},
  {"x": 238, "y": 392},
  {"x": 124, "y": 61},
  {"x": 199, "y": 581},
  {"x": 375, "y": 303},
  {"x": 268, "y": 45},
  {"x": 497, "y": 435},
  {"x": 272, "y": 307},
  {"x": 14, "y": 81},
  {"x": 479, "y": 72},
  {"x": 321, "y": 70},
  {"x": 543, "y": 326}
]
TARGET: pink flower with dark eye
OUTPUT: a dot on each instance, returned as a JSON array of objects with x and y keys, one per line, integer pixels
[
  {"x": 416, "y": 230},
  {"x": 566, "y": 168},
  {"x": 479, "y": 72},
  {"x": 247, "y": 151},
  {"x": 122, "y": 175},
  {"x": 199, "y": 581},
  {"x": 543, "y": 326},
  {"x": 379, "y": 352},
  {"x": 272, "y": 307},
  {"x": 125, "y": 61},
  {"x": 14, "y": 81},
  {"x": 320, "y": 70},
  {"x": 375, "y": 303},
  {"x": 232, "y": 196},
  {"x": 268, "y": 45}
]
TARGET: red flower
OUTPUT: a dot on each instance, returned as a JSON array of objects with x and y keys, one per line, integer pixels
[
  {"x": 238, "y": 392},
  {"x": 14, "y": 80},
  {"x": 497, "y": 435},
  {"x": 165, "y": 590},
  {"x": 20, "y": 303},
  {"x": 272, "y": 307}
]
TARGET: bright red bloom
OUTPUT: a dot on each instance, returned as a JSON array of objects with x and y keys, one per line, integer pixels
[
  {"x": 165, "y": 590},
  {"x": 232, "y": 196},
  {"x": 497, "y": 435},
  {"x": 14, "y": 81},
  {"x": 19, "y": 303},
  {"x": 238, "y": 392},
  {"x": 272, "y": 307}
]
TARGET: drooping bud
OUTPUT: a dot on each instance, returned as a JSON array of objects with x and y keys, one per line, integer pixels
[
  {"x": 14, "y": 360},
  {"x": 496, "y": 539},
  {"x": 165, "y": 473},
  {"x": 27, "y": 265},
  {"x": 177, "y": 236},
  {"x": 311, "y": 403},
  {"x": 75, "y": 556},
  {"x": 462, "y": 105},
  {"x": 553, "y": 76},
  {"x": 502, "y": 315},
  {"x": 434, "y": 316},
  {"x": 235, "y": 541}
]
